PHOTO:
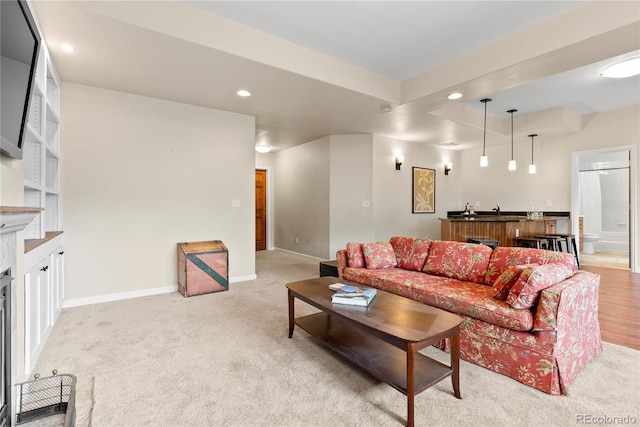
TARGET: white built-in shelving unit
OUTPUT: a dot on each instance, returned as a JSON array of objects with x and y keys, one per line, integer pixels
[
  {"x": 41, "y": 150},
  {"x": 44, "y": 256}
]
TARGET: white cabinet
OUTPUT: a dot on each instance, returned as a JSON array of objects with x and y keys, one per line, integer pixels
[
  {"x": 43, "y": 298},
  {"x": 57, "y": 282},
  {"x": 41, "y": 149},
  {"x": 37, "y": 314}
]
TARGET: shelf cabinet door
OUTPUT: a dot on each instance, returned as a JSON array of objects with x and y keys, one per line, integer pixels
[
  {"x": 57, "y": 283},
  {"x": 37, "y": 311}
]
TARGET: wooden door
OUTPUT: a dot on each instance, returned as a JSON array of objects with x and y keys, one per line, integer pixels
[{"x": 261, "y": 210}]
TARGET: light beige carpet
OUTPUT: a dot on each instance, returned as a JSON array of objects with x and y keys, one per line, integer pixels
[{"x": 224, "y": 359}]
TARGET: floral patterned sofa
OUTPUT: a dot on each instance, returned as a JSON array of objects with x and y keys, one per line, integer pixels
[{"x": 528, "y": 313}]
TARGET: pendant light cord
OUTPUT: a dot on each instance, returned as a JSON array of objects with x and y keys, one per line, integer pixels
[
  {"x": 531, "y": 149},
  {"x": 511, "y": 112},
  {"x": 484, "y": 133},
  {"x": 533, "y": 135},
  {"x": 484, "y": 137}
]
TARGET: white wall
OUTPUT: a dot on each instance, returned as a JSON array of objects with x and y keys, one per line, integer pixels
[
  {"x": 11, "y": 181},
  {"x": 392, "y": 189},
  {"x": 358, "y": 169},
  {"x": 321, "y": 187},
  {"x": 140, "y": 175},
  {"x": 301, "y": 198},
  {"x": 553, "y": 157},
  {"x": 351, "y": 182}
]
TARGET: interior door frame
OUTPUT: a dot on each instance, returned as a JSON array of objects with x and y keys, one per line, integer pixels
[
  {"x": 269, "y": 237},
  {"x": 633, "y": 191}
]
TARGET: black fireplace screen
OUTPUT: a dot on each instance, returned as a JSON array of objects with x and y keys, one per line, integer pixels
[{"x": 47, "y": 396}]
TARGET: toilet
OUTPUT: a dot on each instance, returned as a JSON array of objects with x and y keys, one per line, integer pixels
[{"x": 588, "y": 239}]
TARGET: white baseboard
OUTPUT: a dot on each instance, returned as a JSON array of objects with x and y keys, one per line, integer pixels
[
  {"x": 77, "y": 302},
  {"x": 243, "y": 278},
  {"x": 301, "y": 254}
]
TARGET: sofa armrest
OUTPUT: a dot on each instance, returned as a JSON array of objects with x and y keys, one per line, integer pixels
[
  {"x": 568, "y": 304},
  {"x": 571, "y": 309},
  {"x": 343, "y": 261}
]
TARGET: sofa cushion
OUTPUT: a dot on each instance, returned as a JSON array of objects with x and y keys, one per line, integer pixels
[
  {"x": 355, "y": 255},
  {"x": 411, "y": 252},
  {"x": 525, "y": 292},
  {"x": 505, "y": 282},
  {"x": 363, "y": 275},
  {"x": 464, "y": 298},
  {"x": 504, "y": 256},
  {"x": 379, "y": 255},
  {"x": 462, "y": 261}
]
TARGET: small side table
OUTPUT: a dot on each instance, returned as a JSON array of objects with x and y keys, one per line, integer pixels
[{"x": 329, "y": 268}]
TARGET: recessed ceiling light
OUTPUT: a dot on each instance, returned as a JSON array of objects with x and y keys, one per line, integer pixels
[
  {"x": 454, "y": 95},
  {"x": 66, "y": 47},
  {"x": 627, "y": 68},
  {"x": 243, "y": 92},
  {"x": 263, "y": 148}
]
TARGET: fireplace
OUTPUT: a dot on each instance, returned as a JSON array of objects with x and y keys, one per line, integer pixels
[{"x": 12, "y": 220}]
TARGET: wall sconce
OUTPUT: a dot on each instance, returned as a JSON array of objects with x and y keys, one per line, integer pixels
[
  {"x": 399, "y": 161},
  {"x": 447, "y": 167}
]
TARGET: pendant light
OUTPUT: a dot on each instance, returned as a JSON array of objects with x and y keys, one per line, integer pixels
[
  {"x": 512, "y": 162},
  {"x": 532, "y": 166},
  {"x": 484, "y": 160}
]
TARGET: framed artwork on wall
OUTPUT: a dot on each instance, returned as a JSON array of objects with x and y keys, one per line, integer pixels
[{"x": 424, "y": 190}]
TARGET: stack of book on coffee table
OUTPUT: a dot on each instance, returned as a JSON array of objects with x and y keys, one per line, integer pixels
[{"x": 351, "y": 295}]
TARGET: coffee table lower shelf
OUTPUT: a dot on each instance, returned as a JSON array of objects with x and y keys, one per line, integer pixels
[{"x": 373, "y": 355}]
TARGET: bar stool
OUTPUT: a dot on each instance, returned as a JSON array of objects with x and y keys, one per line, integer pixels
[
  {"x": 483, "y": 241},
  {"x": 532, "y": 242},
  {"x": 553, "y": 241},
  {"x": 570, "y": 248}
]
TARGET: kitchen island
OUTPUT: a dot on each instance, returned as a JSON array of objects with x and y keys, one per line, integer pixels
[{"x": 502, "y": 228}]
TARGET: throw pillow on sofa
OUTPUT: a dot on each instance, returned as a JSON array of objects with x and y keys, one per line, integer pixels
[
  {"x": 458, "y": 260},
  {"x": 505, "y": 282},
  {"x": 505, "y": 256},
  {"x": 355, "y": 255},
  {"x": 508, "y": 278},
  {"x": 379, "y": 255},
  {"x": 533, "y": 280},
  {"x": 411, "y": 252}
]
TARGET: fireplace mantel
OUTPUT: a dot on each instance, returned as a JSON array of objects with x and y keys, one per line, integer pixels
[
  {"x": 16, "y": 218},
  {"x": 12, "y": 220}
]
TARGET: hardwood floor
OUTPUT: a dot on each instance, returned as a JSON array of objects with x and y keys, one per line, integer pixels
[{"x": 619, "y": 310}]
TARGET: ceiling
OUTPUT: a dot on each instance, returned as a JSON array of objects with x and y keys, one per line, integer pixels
[{"x": 321, "y": 68}]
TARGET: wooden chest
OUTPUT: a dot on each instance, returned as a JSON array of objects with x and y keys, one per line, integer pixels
[{"x": 203, "y": 267}]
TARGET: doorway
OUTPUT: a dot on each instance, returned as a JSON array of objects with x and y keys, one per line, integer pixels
[
  {"x": 603, "y": 206},
  {"x": 261, "y": 209}
]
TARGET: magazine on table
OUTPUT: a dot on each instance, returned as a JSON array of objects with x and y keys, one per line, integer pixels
[{"x": 352, "y": 295}]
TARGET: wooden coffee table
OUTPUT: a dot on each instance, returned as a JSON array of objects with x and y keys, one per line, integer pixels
[{"x": 392, "y": 328}]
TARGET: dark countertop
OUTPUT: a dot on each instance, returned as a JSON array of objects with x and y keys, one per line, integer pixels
[
  {"x": 501, "y": 218},
  {"x": 505, "y": 216}
]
